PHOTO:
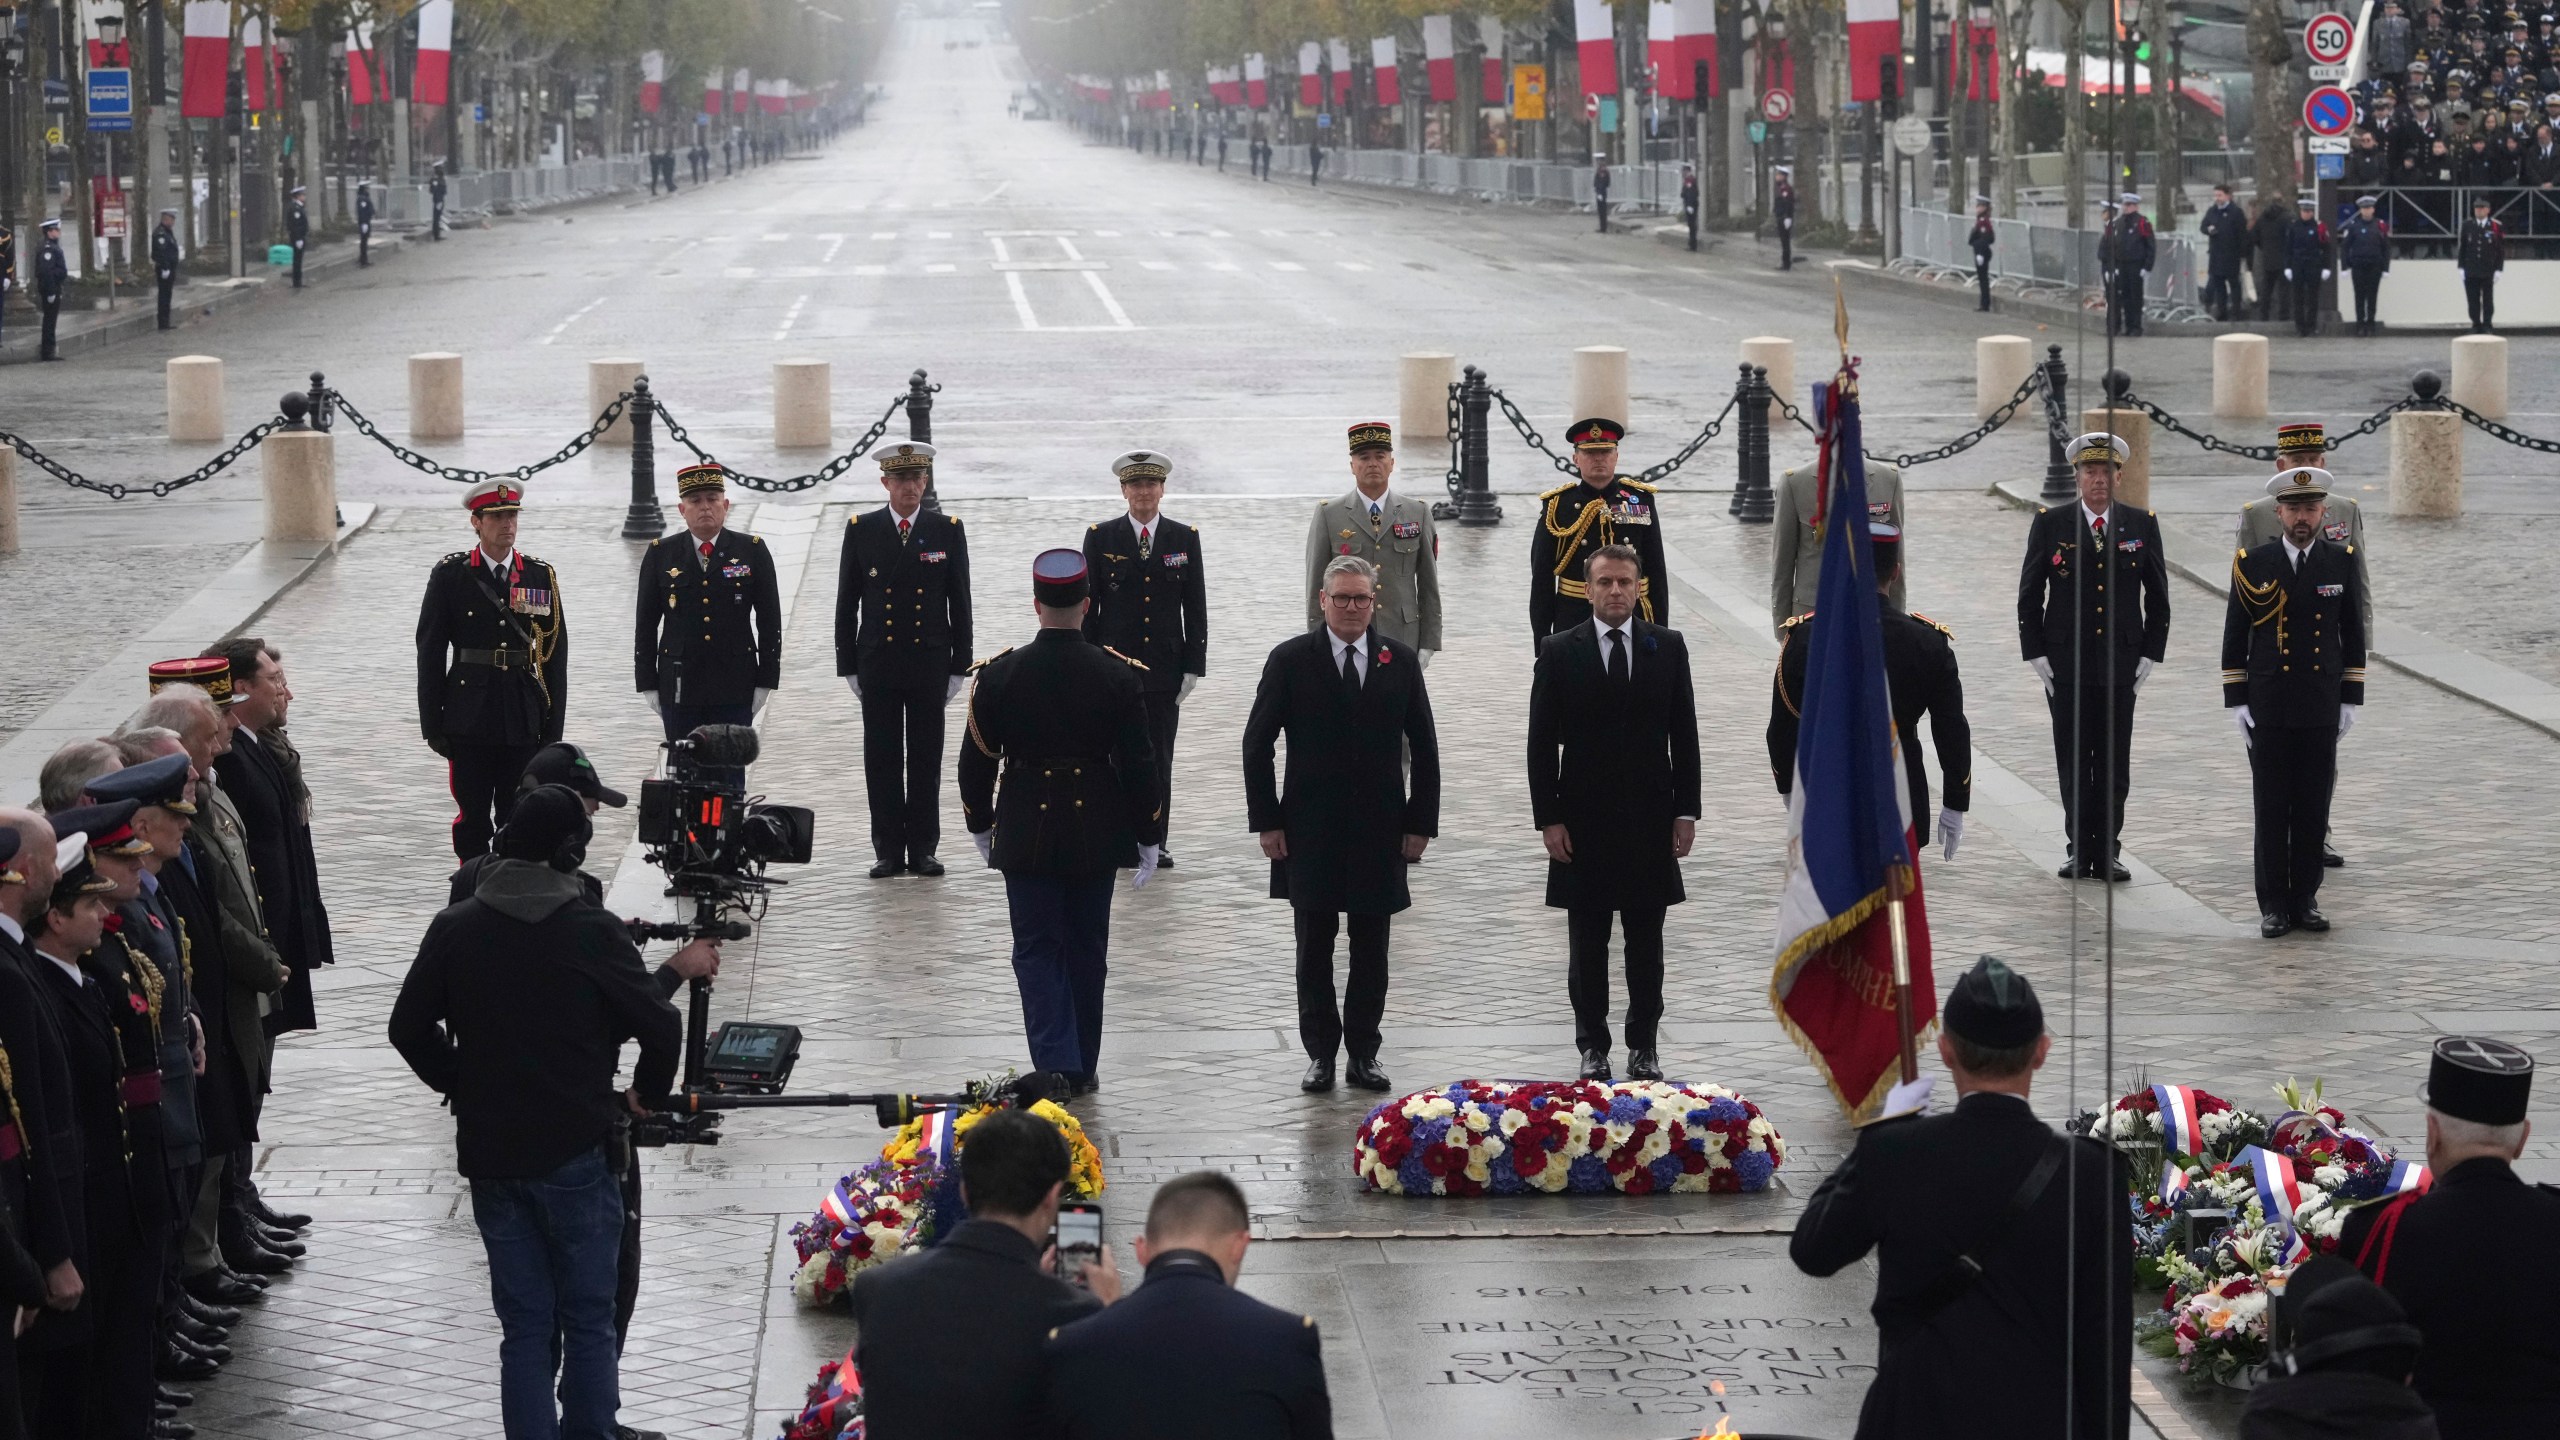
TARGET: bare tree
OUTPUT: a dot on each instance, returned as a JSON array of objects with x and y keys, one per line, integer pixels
[
  {"x": 2156, "y": 21},
  {"x": 2010, "y": 17},
  {"x": 2271, "y": 127}
]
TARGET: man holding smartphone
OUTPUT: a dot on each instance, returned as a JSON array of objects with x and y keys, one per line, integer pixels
[{"x": 950, "y": 1343}]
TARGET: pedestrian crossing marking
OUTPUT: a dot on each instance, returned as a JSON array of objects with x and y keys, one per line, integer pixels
[
  {"x": 1224, "y": 265},
  {"x": 870, "y": 269},
  {"x": 940, "y": 269},
  {"x": 884, "y": 234}
]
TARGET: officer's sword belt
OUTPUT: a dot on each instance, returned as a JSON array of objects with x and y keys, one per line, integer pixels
[{"x": 503, "y": 658}]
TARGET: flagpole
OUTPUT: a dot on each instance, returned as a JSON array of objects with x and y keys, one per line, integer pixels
[{"x": 1902, "y": 991}]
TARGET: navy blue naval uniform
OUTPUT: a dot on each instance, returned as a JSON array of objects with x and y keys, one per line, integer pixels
[
  {"x": 902, "y": 629},
  {"x": 1151, "y": 603},
  {"x": 1216, "y": 1362}
]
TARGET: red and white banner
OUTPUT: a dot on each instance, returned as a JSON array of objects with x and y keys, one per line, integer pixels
[
  {"x": 1310, "y": 74},
  {"x": 1440, "y": 58},
  {"x": 1382, "y": 62},
  {"x": 253, "y": 64},
  {"x": 1497, "y": 85},
  {"x": 1694, "y": 24},
  {"x": 653, "y": 80},
  {"x": 1661, "y": 52},
  {"x": 1226, "y": 86},
  {"x": 1339, "y": 51},
  {"x": 1982, "y": 82},
  {"x": 1257, "y": 88},
  {"x": 741, "y": 92},
  {"x": 714, "y": 99},
  {"x": 207, "y": 59},
  {"x": 364, "y": 82},
  {"x": 432, "y": 84},
  {"x": 1596, "y": 45},
  {"x": 1875, "y": 31}
]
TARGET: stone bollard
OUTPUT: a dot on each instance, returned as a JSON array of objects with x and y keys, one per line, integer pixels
[
  {"x": 8, "y": 502},
  {"x": 2001, "y": 363},
  {"x": 607, "y": 379},
  {"x": 1423, "y": 378},
  {"x": 1599, "y": 383},
  {"x": 2133, "y": 483},
  {"x": 2426, "y": 462},
  {"x": 803, "y": 404},
  {"x": 301, "y": 473},
  {"x": 435, "y": 396},
  {"x": 2240, "y": 376},
  {"x": 2480, "y": 375},
  {"x": 195, "y": 398},
  {"x": 1778, "y": 357}
]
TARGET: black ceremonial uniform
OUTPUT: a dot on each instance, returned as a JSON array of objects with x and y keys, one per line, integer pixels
[
  {"x": 1153, "y": 608},
  {"x": 53, "y": 272},
  {"x": 504, "y": 692},
  {"x": 364, "y": 225},
  {"x": 75, "y": 1355},
  {"x": 1219, "y": 1363},
  {"x": 1575, "y": 520},
  {"x": 949, "y": 1340},
  {"x": 1989, "y": 1357},
  {"x": 2094, "y": 622},
  {"x": 1920, "y": 671},
  {"x": 2475, "y": 1263},
  {"x": 39, "y": 1165},
  {"x": 128, "y": 1280},
  {"x": 709, "y": 632},
  {"x": 8, "y": 272},
  {"x": 902, "y": 629},
  {"x": 2293, "y": 651},
  {"x": 164, "y": 266},
  {"x": 297, "y": 228}
]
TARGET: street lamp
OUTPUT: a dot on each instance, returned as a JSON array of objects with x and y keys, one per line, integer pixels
[{"x": 13, "y": 50}]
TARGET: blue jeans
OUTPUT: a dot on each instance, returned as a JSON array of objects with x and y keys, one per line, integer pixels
[
  {"x": 1061, "y": 934},
  {"x": 554, "y": 1248}
]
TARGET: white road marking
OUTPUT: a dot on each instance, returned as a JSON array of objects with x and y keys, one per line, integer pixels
[
  {"x": 1003, "y": 254},
  {"x": 884, "y": 234},
  {"x": 770, "y": 238},
  {"x": 1069, "y": 246},
  {"x": 1021, "y": 300},
  {"x": 940, "y": 269},
  {"x": 870, "y": 269},
  {"x": 1224, "y": 265},
  {"x": 937, "y": 234},
  {"x": 739, "y": 272},
  {"x": 989, "y": 197},
  {"x": 1155, "y": 264},
  {"x": 1222, "y": 235},
  {"x": 1351, "y": 264},
  {"x": 790, "y": 317},
  {"x": 829, "y": 257},
  {"x": 572, "y": 320},
  {"x": 1102, "y": 293},
  {"x": 1287, "y": 265}
]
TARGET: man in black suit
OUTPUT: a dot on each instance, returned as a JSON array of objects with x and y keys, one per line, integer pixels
[
  {"x": 1063, "y": 717},
  {"x": 1613, "y": 787},
  {"x": 277, "y": 822},
  {"x": 1339, "y": 830},
  {"x": 2475, "y": 1258},
  {"x": 902, "y": 646},
  {"x": 949, "y": 1342},
  {"x": 707, "y": 648},
  {"x": 2093, "y": 619},
  {"x": 2293, "y": 653},
  {"x": 2004, "y": 1272},
  {"x": 1134, "y": 561},
  {"x": 1218, "y": 1361}
]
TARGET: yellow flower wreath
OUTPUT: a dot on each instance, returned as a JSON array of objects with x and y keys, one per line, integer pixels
[{"x": 1084, "y": 1161}]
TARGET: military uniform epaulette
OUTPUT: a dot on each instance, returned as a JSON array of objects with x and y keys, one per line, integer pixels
[
  {"x": 449, "y": 559},
  {"x": 990, "y": 660},
  {"x": 1932, "y": 624},
  {"x": 1551, "y": 494},
  {"x": 1634, "y": 484},
  {"x": 1134, "y": 664},
  {"x": 1793, "y": 621}
]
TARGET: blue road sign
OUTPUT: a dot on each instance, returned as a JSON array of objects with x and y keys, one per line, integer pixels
[
  {"x": 110, "y": 100},
  {"x": 2331, "y": 167}
]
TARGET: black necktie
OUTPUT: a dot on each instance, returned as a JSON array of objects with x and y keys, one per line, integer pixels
[
  {"x": 1618, "y": 656},
  {"x": 1351, "y": 668}
]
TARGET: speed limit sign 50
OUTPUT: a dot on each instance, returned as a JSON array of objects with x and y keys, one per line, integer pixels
[{"x": 2329, "y": 37}]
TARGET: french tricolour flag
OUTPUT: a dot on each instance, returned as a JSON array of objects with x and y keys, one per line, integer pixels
[
  {"x": 653, "y": 79},
  {"x": 1875, "y": 31},
  {"x": 1382, "y": 63},
  {"x": 253, "y": 63},
  {"x": 1596, "y": 43},
  {"x": 2180, "y": 1130},
  {"x": 362, "y": 88},
  {"x": 1440, "y": 58},
  {"x": 1257, "y": 81},
  {"x": 1310, "y": 74},
  {"x": 207, "y": 59},
  {"x": 435, "y": 58},
  {"x": 2279, "y": 1188},
  {"x": 2407, "y": 1176},
  {"x": 741, "y": 91},
  {"x": 1660, "y": 51}
]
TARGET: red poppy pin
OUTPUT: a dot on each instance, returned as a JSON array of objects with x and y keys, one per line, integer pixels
[
  {"x": 1385, "y": 654},
  {"x": 137, "y": 1002},
  {"x": 115, "y": 924}
]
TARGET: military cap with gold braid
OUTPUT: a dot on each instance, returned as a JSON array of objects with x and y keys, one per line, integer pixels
[
  {"x": 1372, "y": 435},
  {"x": 2301, "y": 437},
  {"x": 492, "y": 497},
  {"x": 1596, "y": 433},
  {"x": 2099, "y": 447},
  {"x": 905, "y": 455},
  {"x": 210, "y": 672},
  {"x": 1142, "y": 465},
  {"x": 2302, "y": 482},
  {"x": 703, "y": 475},
  {"x": 161, "y": 783}
]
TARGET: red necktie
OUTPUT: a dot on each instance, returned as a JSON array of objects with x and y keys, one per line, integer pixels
[{"x": 706, "y": 549}]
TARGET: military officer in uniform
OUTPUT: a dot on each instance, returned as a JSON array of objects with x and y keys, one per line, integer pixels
[
  {"x": 2093, "y": 619},
  {"x": 2004, "y": 1273},
  {"x": 707, "y": 647},
  {"x": 1599, "y": 509},
  {"x": 2304, "y": 442},
  {"x": 1066, "y": 721},
  {"x": 53, "y": 273},
  {"x": 902, "y": 646},
  {"x": 2293, "y": 678},
  {"x": 435, "y": 202},
  {"x": 1795, "y": 554},
  {"x": 2475, "y": 1257},
  {"x": 493, "y": 663},
  {"x": 164, "y": 260},
  {"x": 1920, "y": 670},
  {"x": 1150, "y": 602},
  {"x": 1390, "y": 530},
  {"x": 297, "y": 229},
  {"x": 364, "y": 223}
]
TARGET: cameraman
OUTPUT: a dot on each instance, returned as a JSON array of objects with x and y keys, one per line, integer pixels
[{"x": 515, "y": 1010}]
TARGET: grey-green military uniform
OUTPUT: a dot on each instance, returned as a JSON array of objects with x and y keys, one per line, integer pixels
[
  {"x": 2343, "y": 525},
  {"x": 1401, "y": 542},
  {"x": 1795, "y": 547}
]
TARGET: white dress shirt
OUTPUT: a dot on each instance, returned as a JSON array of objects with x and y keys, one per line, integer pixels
[
  {"x": 1357, "y": 649},
  {"x": 2295, "y": 552},
  {"x": 502, "y": 566},
  {"x": 1625, "y": 628}
]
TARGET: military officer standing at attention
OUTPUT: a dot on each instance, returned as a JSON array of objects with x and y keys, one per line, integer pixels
[
  {"x": 1150, "y": 602},
  {"x": 297, "y": 228},
  {"x": 2305, "y": 443},
  {"x": 53, "y": 273},
  {"x": 2293, "y": 678},
  {"x": 364, "y": 224},
  {"x": 1599, "y": 509},
  {"x": 708, "y": 646},
  {"x": 164, "y": 260},
  {"x": 1795, "y": 554},
  {"x": 2472, "y": 1258},
  {"x": 493, "y": 663},
  {"x": 902, "y": 646},
  {"x": 1067, "y": 722},
  {"x": 1390, "y": 530},
  {"x": 2093, "y": 619}
]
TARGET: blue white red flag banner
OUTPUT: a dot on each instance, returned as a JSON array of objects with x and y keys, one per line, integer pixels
[
  {"x": 940, "y": 1141},
  {"x": 2180, "y": 1131},
  {"x": 1849, "y": 828},
  {"x": 2173, "y": 1181},
  {"x": 2279, "y": 1188},
  {"x": 2407, "y": 1176}
]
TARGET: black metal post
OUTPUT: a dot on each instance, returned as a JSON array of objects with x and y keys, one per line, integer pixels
[
  {"x": 1754, "y": 503},
  {"x": 920, "y": 427},
  {"x": 1475, "y": 458},
  {"x": 645, "y": 521},
  {"x": 321, "y": 411},
  {"x": 2059, "y": 484}
]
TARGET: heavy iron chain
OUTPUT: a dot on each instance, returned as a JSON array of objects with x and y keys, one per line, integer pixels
[
  {"x": 1454, "y": 481},
  {"x": 2508, "y": 433},
  {"x": 833, "y": 468},
  {"x": 1530, "y": 433},
  {"x": 2371, "y": 423},
  {"x": 1706, "y": 432},
  {"x": 462, "y": 476},
  {"x": 157, "y": 490},
  {"x": 2033, "y": 385}
]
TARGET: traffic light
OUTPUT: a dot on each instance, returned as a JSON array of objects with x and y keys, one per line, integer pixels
[
  {"x": 235, "y": 102},
  {"x": 1889, "y": 85}
]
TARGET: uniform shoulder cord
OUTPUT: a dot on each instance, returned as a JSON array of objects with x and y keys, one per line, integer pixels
[
  {"x": 153, "y": 986},
  {"x": 1571, "y": 535},
  {"x": 2262, "y": 602},
  {"x": 2384, "y": 1232},
  {"x": 546, "y": 643},
  {"x": 187, "y": 949},
  {"x": 9, "y": 1082}
]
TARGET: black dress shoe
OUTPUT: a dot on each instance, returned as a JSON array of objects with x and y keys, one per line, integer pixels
[
  {"x": 1164, "y": 859},
  {"x": 927, "y": 866},
  {"x": 258, "y": 1283},
  {"x": 2117, "y": 873},
  {"x": 1319, "y": 1077},
  {"x": 172, "y": 1430},
  {"x": 2069, "y": 870},
  {"x": 223, "y": 1316},
  {"x": 1595, "y": 1066},
  {"x": 2312, "y": 920},
  {"x": 2330, "y": 858},
  {"x": 177, "y": 1364},
  {"x": 1367, "y": 1076},
  {"x": 172, "y": 1395},
  {"x": 888, "y": 869},
  {"x": 248, "y": 1257},
  {"x": 1084, "y": 1084},
  {"x": 625, "y": 1432},
  {"x": 1641, "y": 1065},
  {"x": 218, "y": 1354},
  {"x": 222, "y": 1289},
  {"x": 2274, "y": 926},
  {"x": 189, "y": 1328},
  {"x": 280, "y": 1241},
  {"x": 261, "y": 1212},
  {"x": 163, "y": 1410}
]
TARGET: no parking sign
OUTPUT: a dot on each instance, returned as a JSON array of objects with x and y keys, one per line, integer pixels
[{"x": 2328, "y": 111}]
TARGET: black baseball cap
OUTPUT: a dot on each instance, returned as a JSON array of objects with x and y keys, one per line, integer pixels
[{"x": 562, "y": 763}]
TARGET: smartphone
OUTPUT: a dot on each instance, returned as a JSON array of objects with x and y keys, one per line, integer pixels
[{"x": 1078, "y": 1239}]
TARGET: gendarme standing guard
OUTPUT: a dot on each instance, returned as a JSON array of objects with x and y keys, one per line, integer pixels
[
  {"x": 493, "y": 663},
  {"x": 1574, "y": 520}
]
